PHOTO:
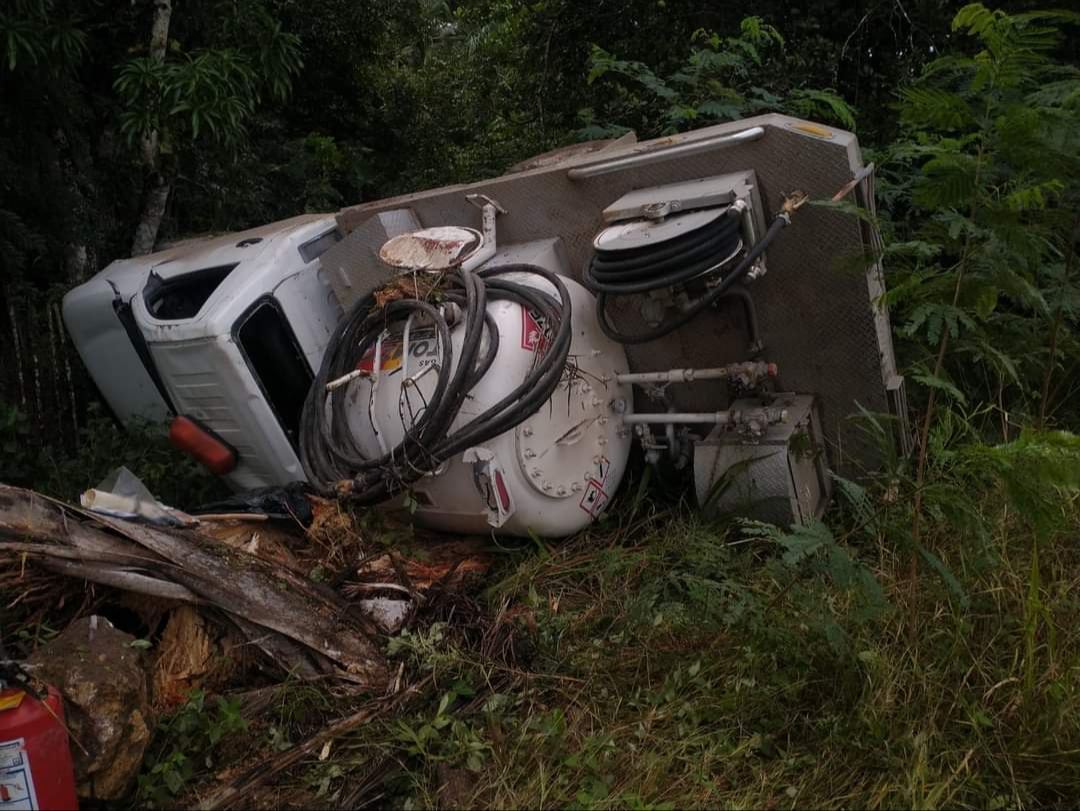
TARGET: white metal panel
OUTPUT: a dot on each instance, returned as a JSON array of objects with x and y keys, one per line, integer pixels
[
  {"x": 276, "y": 260},
  {"x": 109, "y": 355},
  {"x": 208, "y": 379},
  {"x": 312, "y": 310}
]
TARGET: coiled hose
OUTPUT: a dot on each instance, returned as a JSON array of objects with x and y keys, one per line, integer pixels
[
  {"x": 641, "y": 270},
  {"x": 330, "y": 453}
]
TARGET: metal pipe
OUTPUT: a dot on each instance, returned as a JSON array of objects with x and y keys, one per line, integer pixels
[
  {"x": 666, "y": 153},
  {"x": 405, "y": 347},
  {"x": 488, "y": 212},
  {"x": 766, "y": 414},
  {"x": 346, "y": 378},
  {"x": 376, "y": 370},
  {"x": 757, "y": 369},
  {"x": 715, "y": 418},
  {"x": 673, "y": 376}
]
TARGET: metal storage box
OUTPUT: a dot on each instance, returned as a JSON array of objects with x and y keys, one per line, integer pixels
[{"x": 780, "y": 476}]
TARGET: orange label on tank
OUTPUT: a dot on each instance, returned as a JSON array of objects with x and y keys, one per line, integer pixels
[
  {"x": 423, "y": 350},
  {"x": 534, "y": 332},
  {"x": 389, "y": 361}
]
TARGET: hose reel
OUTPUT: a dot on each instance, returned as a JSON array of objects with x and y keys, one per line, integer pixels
[{"x": 680, "y": 245}]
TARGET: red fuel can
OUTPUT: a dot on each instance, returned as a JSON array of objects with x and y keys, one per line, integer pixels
[{"x": 35, "y": 761}]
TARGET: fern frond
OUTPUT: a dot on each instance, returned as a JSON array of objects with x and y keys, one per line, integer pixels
[
  {"x": 947, "y": 181},
  {"x": 1037, "y": 195},
  {"x": 937, "y": 108},
  {"x": 977, "y": 20},
  {"x": 720, "y": 110},
  {"x": 807, "y": 103},
  {"x": 759, "y": 32},
  {"x": 858, "y": 498},
  {"x": 1036, "y": 471},
  {"x": 942, "y": 384},
  {"x": 1059, "y": 93}
]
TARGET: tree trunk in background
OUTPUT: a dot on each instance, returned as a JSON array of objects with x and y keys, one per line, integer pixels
[
  {"x": 156, "y": 186},
  {"x": 155, "y": 196},
  {"x": 74, "y": 172}
]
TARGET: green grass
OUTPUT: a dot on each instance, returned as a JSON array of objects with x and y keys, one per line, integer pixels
[
  {"x": 658, "y": 663},
  {"x": 660, "y": 660}
]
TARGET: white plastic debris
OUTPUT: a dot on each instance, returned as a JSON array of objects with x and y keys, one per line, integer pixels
[{"x": 123, "y": 495}]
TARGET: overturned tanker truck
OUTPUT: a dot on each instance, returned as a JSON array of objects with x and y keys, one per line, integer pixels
[{"x": 487, "y": 356}]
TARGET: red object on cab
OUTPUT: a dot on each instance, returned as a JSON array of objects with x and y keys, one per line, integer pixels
[
  {"x": 191, "y": 436},
  {"x": 35, "y": 761}
]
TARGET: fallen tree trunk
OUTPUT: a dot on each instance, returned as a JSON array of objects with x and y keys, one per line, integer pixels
[{"x": 268, "y": 602}]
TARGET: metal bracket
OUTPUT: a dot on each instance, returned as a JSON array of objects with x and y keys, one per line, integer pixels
[
  {"x": 491, "y": 484},
  {"x": 756, "y": 271},
  {"x": 657, "y": 211},
  {"x": 481, "y": 200}
]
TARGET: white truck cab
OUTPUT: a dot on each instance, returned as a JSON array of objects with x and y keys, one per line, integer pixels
[{"x": 226, "y": 331}]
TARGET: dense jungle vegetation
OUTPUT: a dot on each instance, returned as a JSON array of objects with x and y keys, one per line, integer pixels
[{"x": 920, "y": 648}]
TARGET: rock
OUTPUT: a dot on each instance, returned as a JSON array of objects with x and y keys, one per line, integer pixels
[{"x": 106, "y": 693}]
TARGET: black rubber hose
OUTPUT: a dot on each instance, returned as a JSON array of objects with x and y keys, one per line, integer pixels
[
  {"x": 705, "y": 243},
  {"x": 698, "y": 306},
  {"x": 328, "y": 450},
  {"x": 749, "y": 311}
]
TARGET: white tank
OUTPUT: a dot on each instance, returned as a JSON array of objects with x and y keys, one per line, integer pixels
[{"x": 551, "y": 475}]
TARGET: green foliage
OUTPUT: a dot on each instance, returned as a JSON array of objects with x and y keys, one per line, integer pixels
[
  {"x": 621, "y": 710},
  {"x": 18, "y": 457},
  {"x": 659, "y": 660},
  {"x": 34, "y": 32},
  {"x": 174, "y": 477},
  {"x": 215, "y": 89},
  {"x": 1039, "y": 473},
  {"x": 317, "y": 167},
  {"x": 18, "y": 241},
  {"x": 718, "y": 82},
  {"x": 985, "y": 214},
  {"x": 445, "y": 738},
  {"x": 986, "y": 185},
  {"x": 815, "y": 546},
  {"x": 185, "y": 745},
  {"x": 699, "y": 587},
  {"x": 454, "y": 89}
]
